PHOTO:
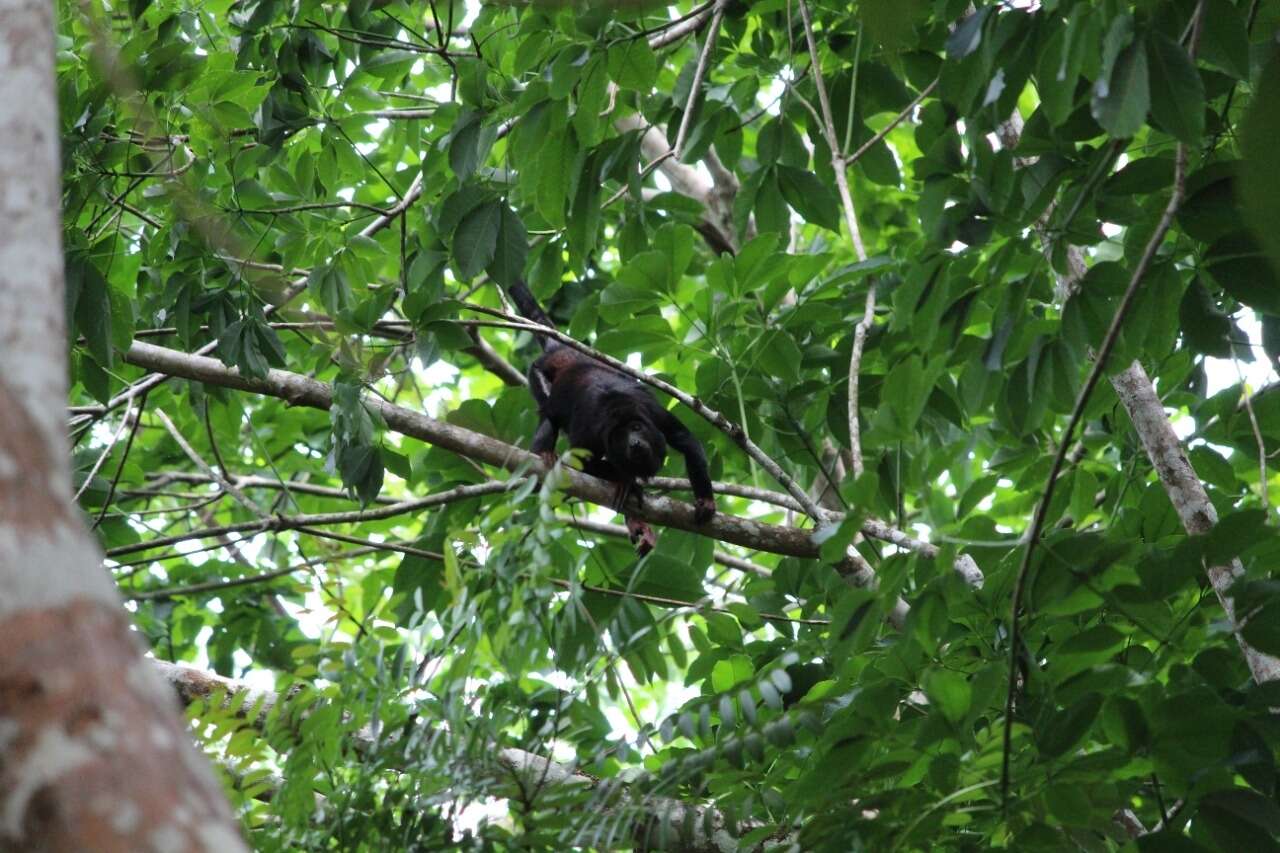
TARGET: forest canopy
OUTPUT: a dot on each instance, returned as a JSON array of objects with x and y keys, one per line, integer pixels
[{"x": 974, "y": 308}]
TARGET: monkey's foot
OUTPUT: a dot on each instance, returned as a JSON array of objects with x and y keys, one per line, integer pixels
[
  {"x": 548, "y": 458},
  {"x": 642, "y": 535},
  {"x": 704, "y": 509}
]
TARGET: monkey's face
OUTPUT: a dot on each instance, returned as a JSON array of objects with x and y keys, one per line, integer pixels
[{"x": 639, "y": 447}]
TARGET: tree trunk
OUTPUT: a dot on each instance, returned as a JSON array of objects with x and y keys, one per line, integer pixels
[{"x": 93, "y": 752}]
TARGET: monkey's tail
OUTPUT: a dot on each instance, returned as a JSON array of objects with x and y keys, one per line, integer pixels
[{"x": 531, "y": 310}]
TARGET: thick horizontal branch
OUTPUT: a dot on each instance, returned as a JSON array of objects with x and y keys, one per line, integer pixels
[{"x": 300, "y": 390}]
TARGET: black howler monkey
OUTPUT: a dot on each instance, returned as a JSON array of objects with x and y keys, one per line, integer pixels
[{"x": 613, "y": 416}]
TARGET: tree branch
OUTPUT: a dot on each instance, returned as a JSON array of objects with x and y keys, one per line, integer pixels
[
  {"x": 839, "y": 164},
  {"x": 208, "y": 470},
  {"x": 303, "y": 391},
  {"x": 1187, "y": 494},
  {"x": 699, "y": 74},
  {"x": 964, "y": 565},
  {"x": 708, "y": 831},
  {"x": 303, "y": 522}
]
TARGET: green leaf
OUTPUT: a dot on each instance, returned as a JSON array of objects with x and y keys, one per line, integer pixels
[
  {"x": 1271, "y": 337},
  {"x": 1086, "y": 650},
  {"x": 361, "y": 470},
  {"x": 812, "y": 199},
  {"x": 780, "y": 357},
  {"x": 329, "y": 284},
  {"x": 1067, "y": 727},
  {"x": 728, "y": 673},
  {"x": 593, "y": 100},
  {"x": 834, "y": 538},
  {"x": 512, "y": 249},
  {"x": 1234, "y": 534},
  {"x": 389, "y": 64},
  {"x": 475, "y": 241},
  {"x": 949, "y": 691},
  {"x": 676, "y": 242},
  {"x": 1177, "y": 95},
  {"x": 555, "y": 166},
  {"x": 650, "y": 270},
  {"x": 771, "y": 206},
  {"x": 93, "y": 309},
  {"x": 95, "y": 380},
  {"x": 633, "y": 65},
  {"x": 1224, "y": 39},
  {"x": 1121, "y": 98},
  {"x": 469, "y": 145},
  {"x": 905, "y": 390},
  {"x": 1238, "y": 265},
  {"x": 1060, "y": 64},
  {"x": 1205, "y": 328},
  {"x": 1259, "y": 184}
]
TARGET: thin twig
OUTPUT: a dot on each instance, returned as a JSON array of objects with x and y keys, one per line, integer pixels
[
  {"x": 660, "y": 29},
  {"x": 298, "y": 522},
  {"x": 840, "y": 166},
  {"x": 871, "y": 527},
  {"x": 247, "y": 580},
  {"x": 384, "y": 546},
  {"x": 394, "y": 115},
  {"x": 199, "y": 462},
  {"x": 699, "y": 74},
  {"x": 1247, "y": 400},
  {"x": 833, "y": 141},
  {"x": 138, "y": 213},
  {"x": 312, "y": 205},
  {"x": 128, "y": 445},
  {"x": 677, "y": 602},
  {"x": 102, "y": 458},
  {"x": 291, "y": 293},
  {"x": 680, "y": 28},
  {"x": 897, "y": 120},
  {"x": 644, "y": 173}
]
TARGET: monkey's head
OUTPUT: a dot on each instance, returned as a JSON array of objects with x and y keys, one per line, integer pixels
[{"x": 637, "y": 446}]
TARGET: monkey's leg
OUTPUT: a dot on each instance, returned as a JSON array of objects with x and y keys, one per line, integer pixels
[
  {"x": 621, "y": 491},
  {"x": 624, "y": 490}
]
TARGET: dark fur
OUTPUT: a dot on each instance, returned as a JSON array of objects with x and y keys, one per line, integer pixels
[{"x": 614, "y": 417}]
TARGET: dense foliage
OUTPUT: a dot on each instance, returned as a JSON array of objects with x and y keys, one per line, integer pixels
[{"x": 228, "y": 166}]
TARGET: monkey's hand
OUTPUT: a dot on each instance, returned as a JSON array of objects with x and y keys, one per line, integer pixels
[
  {"x": 704, "y": 509},
  {"x": 549, "y": 459}
]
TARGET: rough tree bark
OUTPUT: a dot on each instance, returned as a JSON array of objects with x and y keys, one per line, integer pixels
[
  {"x": 1187, "y": 494},
  {"x": 93, "y": 752}
]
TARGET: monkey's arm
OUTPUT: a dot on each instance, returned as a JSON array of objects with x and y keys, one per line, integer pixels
[
  {"x": 544, "y": 441},
  {"x": 695, "y": 461}
]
